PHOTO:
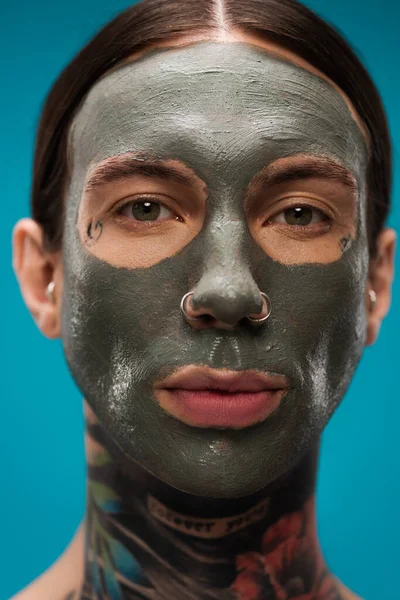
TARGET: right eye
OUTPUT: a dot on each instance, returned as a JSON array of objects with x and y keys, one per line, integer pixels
[{"x": 145, "y": 210}]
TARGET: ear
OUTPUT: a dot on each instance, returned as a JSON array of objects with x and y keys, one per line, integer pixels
[
  {"x": 380, "y": 279},
  {"x": 35, "y": 268}
]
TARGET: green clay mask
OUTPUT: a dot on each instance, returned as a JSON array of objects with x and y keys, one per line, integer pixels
[{"x": 226, "y": 111}]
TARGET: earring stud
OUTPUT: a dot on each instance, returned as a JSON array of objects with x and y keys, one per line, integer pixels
[
  {"x": 372, "y": 296},
  {"x": 50, "y": 291}
]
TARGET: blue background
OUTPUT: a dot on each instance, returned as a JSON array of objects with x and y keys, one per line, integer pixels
[{"x": 41, "y": 424}]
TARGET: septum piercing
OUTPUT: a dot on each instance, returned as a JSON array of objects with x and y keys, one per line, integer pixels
[{"x": 252, "y": 319}]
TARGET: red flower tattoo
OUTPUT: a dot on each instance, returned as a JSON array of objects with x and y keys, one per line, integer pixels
[{"x": 288, "y": 565}]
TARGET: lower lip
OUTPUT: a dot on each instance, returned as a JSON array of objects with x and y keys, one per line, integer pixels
[{"x": 213, "y": 408}]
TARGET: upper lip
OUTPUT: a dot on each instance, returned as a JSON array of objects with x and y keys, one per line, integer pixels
[{"x": 192, "y": 377}]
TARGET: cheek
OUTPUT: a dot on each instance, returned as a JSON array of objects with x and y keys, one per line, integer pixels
[
  {"x": 111, "y": 319},
  {"x": 134, "y": 247},
  {"x": 318, "y": 323},
  {"x": 288, "y": 249},
  {"x": 289, "y": 246}
]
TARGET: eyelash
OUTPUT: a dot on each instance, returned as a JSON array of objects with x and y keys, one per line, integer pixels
[
  {"x": 151, "y": 199},
  {"x": 325, "y": 224},
  {"x": 315, "y": 229}
]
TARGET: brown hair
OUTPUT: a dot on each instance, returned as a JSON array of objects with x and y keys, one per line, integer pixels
[{"x": 286, "y": 22}]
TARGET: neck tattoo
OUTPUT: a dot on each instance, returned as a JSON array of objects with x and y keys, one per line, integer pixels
[{"x": 141, "y": 547}]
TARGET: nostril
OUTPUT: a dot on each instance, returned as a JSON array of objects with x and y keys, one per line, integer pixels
[
  {"x": 187, "y": 309},
  {"x": 264, "y": 313},
  {"x": 207, "y": 318},
  {"x": 219, "y": 311}
]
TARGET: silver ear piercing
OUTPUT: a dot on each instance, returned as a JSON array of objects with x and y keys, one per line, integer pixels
[
  {"x": 50, "y": 291},
  {"x": 372, "y": 296}
]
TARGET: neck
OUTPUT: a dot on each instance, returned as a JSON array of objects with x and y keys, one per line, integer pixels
[{"x": 147, "y": 540}]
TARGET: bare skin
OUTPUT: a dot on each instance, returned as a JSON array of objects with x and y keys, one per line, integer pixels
[
  {"x": 66, "y": 575},
  {"x": 35, "y": 268},
  {"x": 65, "y": 579}
]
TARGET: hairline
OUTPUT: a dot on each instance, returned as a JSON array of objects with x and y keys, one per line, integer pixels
[{"x": 270, "y": 48}]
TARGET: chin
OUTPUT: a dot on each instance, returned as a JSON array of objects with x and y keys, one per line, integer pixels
[
  {"x": 226, "y": 464},
  {"x": 211, "y": 462}
]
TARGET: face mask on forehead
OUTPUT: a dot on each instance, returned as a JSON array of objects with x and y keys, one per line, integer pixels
[{"x": 226, "y": 111}]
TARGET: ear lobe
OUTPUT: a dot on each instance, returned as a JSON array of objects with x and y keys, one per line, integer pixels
[
  {"x": 35, "y": 268},
  {"x": 380, "y": 280}
]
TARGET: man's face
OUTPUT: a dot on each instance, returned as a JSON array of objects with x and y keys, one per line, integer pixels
[{"x": 220, "y": 144}]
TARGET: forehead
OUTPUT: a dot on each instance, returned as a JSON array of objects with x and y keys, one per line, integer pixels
[{"x": 217, "y": 107}]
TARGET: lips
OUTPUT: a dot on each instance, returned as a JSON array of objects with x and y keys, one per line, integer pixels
[{"x": 206, "y": 397}]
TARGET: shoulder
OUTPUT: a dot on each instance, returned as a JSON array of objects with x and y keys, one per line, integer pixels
[
  {"x": 347, "y": 594},
  {"x": 63, "y": 578}
]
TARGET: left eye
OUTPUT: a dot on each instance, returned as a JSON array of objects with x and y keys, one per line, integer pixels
[
  {"x": 299, "y": 215},
  {"x": 145, "y": 210}
]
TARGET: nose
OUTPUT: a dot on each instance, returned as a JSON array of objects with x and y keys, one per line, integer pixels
[{"x": 224, "y": 300}]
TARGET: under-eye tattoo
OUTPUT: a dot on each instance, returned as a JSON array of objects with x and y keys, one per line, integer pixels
[
  {"x": 345, "y": 242},
  {"x": 70, "y": 596},
  {"x": 95, "y": 232}
]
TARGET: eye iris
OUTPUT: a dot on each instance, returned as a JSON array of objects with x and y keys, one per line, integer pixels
[
  {"x": 146, "y": 211},
  {"x": 298, "y": 215}
]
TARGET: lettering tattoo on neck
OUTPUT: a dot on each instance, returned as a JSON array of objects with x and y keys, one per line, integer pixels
[
  {"x": 206, "y": 528},
  {"x": 137, "y": 548}
]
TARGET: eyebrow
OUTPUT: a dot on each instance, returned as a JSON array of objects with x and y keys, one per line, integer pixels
[
  {"x": 123, "y": 167},
  {"x": 128, "y": 165},
  {"x": 308, "y": 168}
]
